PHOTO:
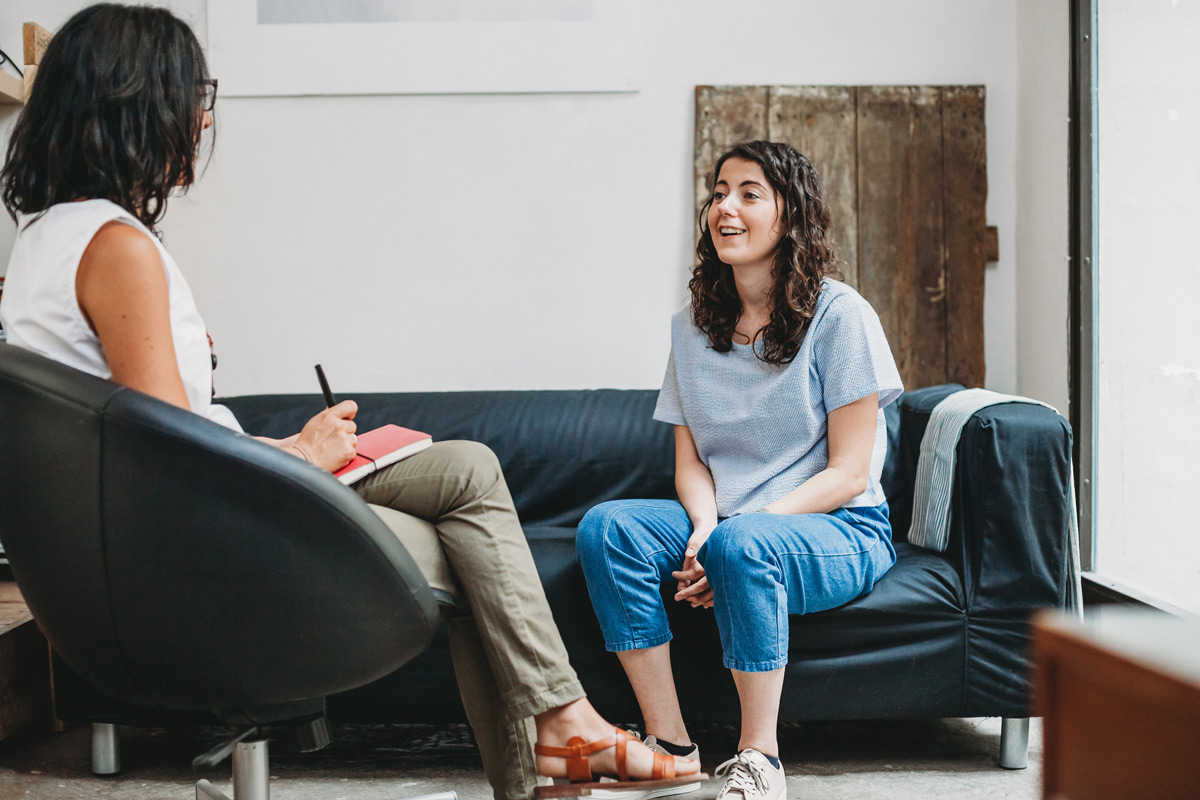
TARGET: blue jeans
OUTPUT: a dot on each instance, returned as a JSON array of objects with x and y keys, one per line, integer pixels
[{"x": 761, "y": 567}]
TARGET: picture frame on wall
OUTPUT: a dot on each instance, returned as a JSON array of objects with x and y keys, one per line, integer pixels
[{"x": 356, "y": 47}]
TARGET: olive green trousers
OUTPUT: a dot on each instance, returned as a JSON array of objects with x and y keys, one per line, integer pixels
[{"x": 451, "y": 509}]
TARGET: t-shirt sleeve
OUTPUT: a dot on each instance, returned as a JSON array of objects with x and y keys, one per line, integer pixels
[
  {"x": 669, "y": 408},
  {"x": 852, "y": 355}
]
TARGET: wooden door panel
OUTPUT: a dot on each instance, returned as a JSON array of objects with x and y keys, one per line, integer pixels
[
  {"x": 902, "y": 272},
  {"x": 819, "y": 121},
  {"x": 725, "y": 115},
  {"x": 965, "y": 185},
  {"x": 905, "y": 174}
]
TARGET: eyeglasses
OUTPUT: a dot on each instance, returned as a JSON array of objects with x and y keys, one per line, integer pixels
[{"x": 208, "y": 89}]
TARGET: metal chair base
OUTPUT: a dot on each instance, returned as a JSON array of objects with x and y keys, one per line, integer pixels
[
  {"x": 251, "y": 774},
  {"x": 1014, "y": 742},
  {"x": 252, "y": 777},
  {"x": 106, "y": 749}
]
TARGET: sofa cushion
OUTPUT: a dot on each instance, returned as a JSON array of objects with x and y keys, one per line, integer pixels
[
  {"x": 903, "y": 642},
  {"x": 562, "y": 451}
]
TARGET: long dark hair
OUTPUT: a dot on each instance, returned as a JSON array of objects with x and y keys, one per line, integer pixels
[
  {"x": 804, "y": 257},
  {"x": 116, "y": 112}
]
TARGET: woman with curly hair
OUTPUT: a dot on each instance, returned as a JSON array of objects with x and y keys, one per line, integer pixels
[{"x": 776, "y": 385}]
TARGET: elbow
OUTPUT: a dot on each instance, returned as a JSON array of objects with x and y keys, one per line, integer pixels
[{"x": 857, "y": 482}]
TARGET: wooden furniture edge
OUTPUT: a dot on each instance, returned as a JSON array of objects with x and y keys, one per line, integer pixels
[
  {"x": 24, "y": 683},
  {"x": 14, "y": 90},
  {"x": 36, "y": 40}
]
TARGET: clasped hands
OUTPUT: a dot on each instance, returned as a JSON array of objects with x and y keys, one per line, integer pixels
[{"x": 693, "y": 583}]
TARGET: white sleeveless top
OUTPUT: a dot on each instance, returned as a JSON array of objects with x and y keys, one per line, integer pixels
[{"x": 40, "y": 312}]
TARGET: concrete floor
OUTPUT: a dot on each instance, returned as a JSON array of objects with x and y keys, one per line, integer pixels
[{"x": 824, "y": 761}]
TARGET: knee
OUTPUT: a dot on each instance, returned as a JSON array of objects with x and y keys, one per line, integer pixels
[
  {"x": 475, "y": 461},
  {"x": 605, "y": 530},
  {"x": 717, "y": 551},
  {"x": 732, "y": 545},
  {"x": 591, "y": 538}
]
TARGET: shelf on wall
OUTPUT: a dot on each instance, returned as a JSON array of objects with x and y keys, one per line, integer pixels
[{"x": 12, "y": 89}]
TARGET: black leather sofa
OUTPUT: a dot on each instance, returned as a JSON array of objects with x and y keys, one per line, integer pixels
[{"x": 942, "y": 634}]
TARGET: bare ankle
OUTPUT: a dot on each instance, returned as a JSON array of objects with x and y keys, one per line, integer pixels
[{"x": 572, "y": 718}]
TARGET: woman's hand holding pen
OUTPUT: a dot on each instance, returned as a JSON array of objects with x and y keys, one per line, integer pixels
[
  {"x": 328, "y": 439},
  {"x": 693, "y": 584}
]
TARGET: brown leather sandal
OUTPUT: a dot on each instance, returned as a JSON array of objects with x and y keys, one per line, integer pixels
[{"x": 579, "y": 770}]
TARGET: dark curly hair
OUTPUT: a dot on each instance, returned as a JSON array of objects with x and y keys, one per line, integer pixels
[
  {"x": 116, "y": 112},
  {"x": 804, "y": 257}
]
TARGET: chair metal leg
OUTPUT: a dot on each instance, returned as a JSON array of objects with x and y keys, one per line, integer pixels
[
  {"x": 106, "y": 749},
  {"x": 252, "y": 776},
  {"x": 1014, "y": 743}
]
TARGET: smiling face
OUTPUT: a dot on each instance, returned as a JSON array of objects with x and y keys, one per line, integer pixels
[{"x": 743, "y": 217}]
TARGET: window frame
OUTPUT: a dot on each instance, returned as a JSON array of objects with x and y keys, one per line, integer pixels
[
  {"x": 1084, "y": 304},
  {"x": 1083, "y": 152}
]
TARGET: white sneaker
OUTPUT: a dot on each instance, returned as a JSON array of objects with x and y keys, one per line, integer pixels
[
  {"x": 645, "y": 794},
  {"x": 750, "y": 776}
]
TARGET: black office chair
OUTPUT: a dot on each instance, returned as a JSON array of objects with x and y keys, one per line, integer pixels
[{"x": 177, "y": 566}]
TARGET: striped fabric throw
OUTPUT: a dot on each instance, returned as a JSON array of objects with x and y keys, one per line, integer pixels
[{"x": 935, "y": 477}]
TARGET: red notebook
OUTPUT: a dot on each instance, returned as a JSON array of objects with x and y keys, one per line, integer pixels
[{"x": 380, "y": 447}]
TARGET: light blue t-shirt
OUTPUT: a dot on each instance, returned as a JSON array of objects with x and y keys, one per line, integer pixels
[{"x": 761, "y": 429}]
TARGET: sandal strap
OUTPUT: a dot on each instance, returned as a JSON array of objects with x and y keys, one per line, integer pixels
[
  {"x": 576, "y": 746},
  {"x": 664, "y": 766},
  {"x": 576, "y": 753}
]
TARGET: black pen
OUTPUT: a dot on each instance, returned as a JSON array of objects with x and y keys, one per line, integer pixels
[{"x": 329, "y": 401}]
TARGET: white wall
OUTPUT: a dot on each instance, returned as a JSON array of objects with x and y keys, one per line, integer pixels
[
  {"x": 1043, "y": 78},
  {"x": 526, "y": 241}
]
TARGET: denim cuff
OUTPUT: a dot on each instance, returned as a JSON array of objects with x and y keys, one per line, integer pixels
[
  {"x": 755, "y": 666},
  {"x": 637, "y": 644}
]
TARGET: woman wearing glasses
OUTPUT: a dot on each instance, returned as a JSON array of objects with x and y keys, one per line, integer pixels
[{"x": 113, "y": 127}]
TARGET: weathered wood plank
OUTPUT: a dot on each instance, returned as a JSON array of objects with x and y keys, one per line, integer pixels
[
  {"x": 31, "y": 71},
  {"x": 965, "y": 187},
  {"x": 725, "y": 115},
  {"x": 820, "y": 121},
  {"x": 37, "y": 39},
  {"x": 900, "y": 223},
  {"x": 10, "y": 592},
  {"x": 13, "y": 615}
]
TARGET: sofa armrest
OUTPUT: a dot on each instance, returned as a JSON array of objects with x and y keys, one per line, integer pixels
[{"x": 1010, "y": 514}]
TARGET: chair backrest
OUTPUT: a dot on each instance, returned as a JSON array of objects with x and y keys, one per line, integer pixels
[{"x": 176, "y": 564}]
